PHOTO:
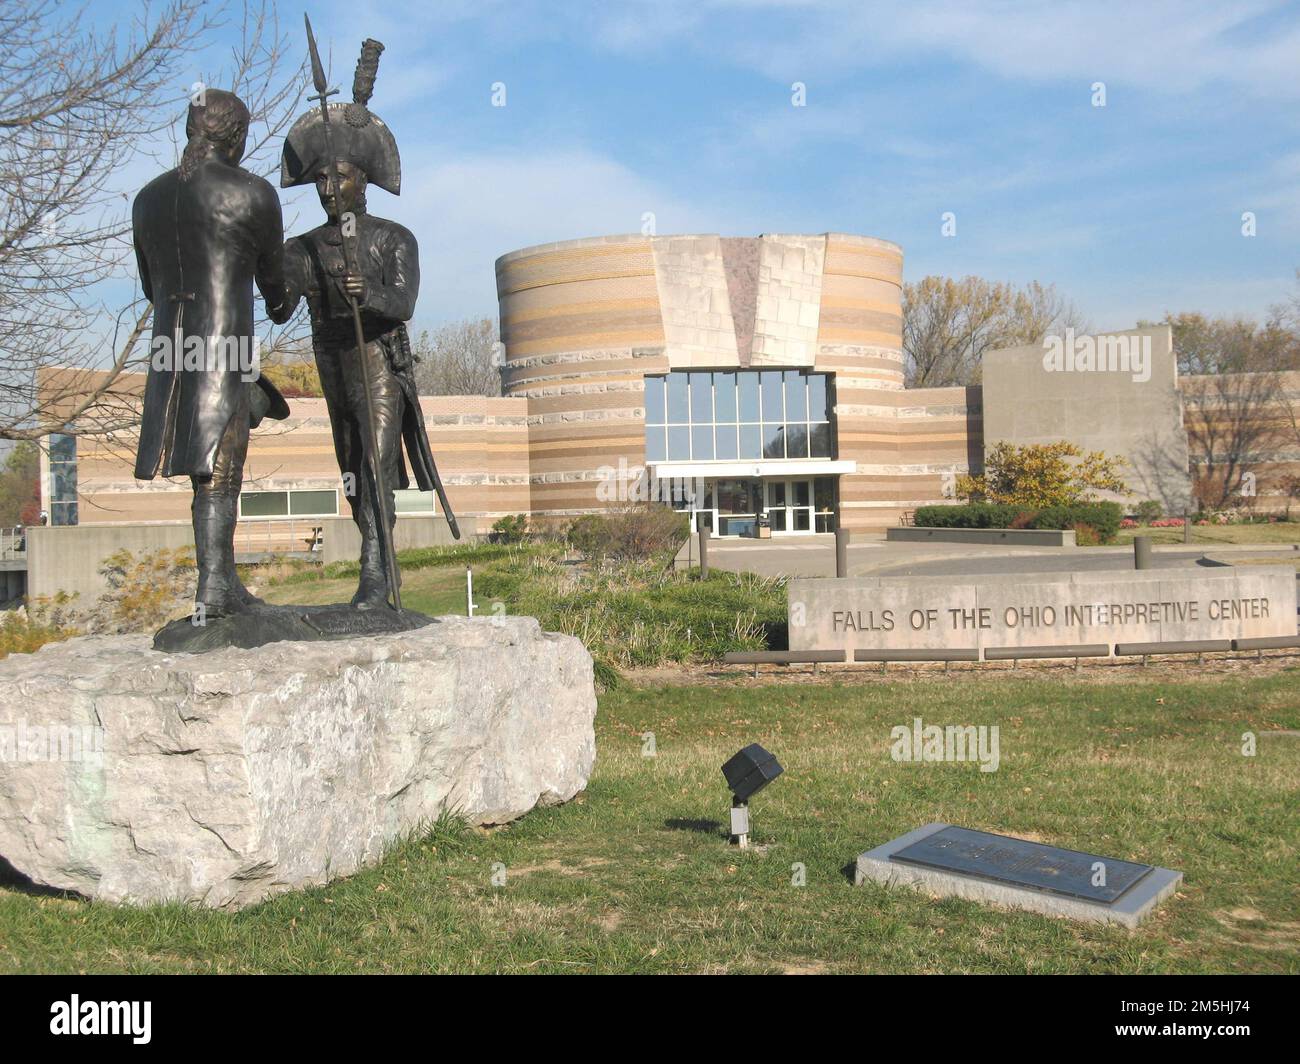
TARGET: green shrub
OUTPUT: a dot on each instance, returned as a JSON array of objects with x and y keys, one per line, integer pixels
[
  {"x": 1103, "y": 517},
  {"x": 969, "y": 515},
  {"x": 510, "y": 529},
  {"x": 588, "y": 535},
  {"x": 1149, "y": 511}
]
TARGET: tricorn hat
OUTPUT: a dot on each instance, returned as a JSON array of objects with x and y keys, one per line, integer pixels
[{"x": 358, "y": 136}]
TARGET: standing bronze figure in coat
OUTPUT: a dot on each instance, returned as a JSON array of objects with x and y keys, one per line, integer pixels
[
  {"x": 385, "y": 284},
  {"x": 203, "y": 233}
]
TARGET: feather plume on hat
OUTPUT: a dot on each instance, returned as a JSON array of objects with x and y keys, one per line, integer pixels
[{"x": 360, "y": 136}]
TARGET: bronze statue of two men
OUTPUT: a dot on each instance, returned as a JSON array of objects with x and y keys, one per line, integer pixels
[{"x": 205, "y": 233}]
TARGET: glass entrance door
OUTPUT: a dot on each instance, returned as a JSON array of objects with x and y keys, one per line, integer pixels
[
  {"x": 725, "y": 508},
  {"x": 789, "y": 506}
]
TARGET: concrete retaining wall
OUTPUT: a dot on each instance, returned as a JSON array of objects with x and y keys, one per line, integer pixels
[
  {"x": 68, "y": 558},
  {"x": 342, "y": 541},
  {"x": 1024, "y": 537}
]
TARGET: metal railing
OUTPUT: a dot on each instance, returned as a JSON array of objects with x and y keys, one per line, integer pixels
[{"x": 279, "y": 536}]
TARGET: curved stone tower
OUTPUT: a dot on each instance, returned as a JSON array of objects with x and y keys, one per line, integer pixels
[{"x": 583, "y": 322}]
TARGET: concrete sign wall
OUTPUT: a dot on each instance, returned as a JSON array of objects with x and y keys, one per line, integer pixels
[
  {"x": 1113, "y": 392},
  {"x": 1047, "y": 609}
]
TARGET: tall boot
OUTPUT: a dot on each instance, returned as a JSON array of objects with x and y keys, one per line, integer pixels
[
  {"x": 241, "y": 592},
  {"x": 214, "y": 545},
  {"x": 373, "y": 590}
]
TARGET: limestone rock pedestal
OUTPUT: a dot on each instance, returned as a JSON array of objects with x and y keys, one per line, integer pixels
[{"x": 137, "y": 776}]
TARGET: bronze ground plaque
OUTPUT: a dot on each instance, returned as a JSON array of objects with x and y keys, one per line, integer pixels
[{"x": 1025, "y": 864}]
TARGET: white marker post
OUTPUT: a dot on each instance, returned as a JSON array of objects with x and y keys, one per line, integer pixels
[{"x": 469, "y": 592}]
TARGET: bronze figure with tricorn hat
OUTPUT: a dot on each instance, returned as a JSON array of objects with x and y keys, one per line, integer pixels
[{"x": 360, "y": 277}]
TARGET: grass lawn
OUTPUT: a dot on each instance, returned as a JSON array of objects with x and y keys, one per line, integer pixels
[
  {"x": 636, "y": 876},
  {"x": 628, "y": 616},
  {"x": 1264, "y": 534},
  {"x": 434, "y": 591}
]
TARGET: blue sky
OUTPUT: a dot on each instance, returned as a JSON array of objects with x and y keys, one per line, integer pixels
[{"x": 683, "y": 109}]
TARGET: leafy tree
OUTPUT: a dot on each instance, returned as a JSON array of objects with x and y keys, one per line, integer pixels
[
  {"x": 1205, "y": 345},
  {"x": 20, "y": 485},
  {"x": 1041, "y": 475}
]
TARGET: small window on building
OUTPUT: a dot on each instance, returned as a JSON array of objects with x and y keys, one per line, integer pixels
[
  {"x": 414, "y": 502},
  {"x": 314, "y": 503},
  {"x": 306, "y": 502},
  {"x": 264, "y": 504}
]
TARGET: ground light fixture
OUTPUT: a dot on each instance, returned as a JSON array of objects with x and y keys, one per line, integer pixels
[{"x": 747, "y": 773}]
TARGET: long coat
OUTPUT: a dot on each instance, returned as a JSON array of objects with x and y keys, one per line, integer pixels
[
  {"x": 388, "y": 256},
  {"x": 200, "y": 244}
]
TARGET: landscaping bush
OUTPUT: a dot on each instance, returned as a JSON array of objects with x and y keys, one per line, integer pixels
[
  {"x": 145, "y": 591},
  {"x": 1085, "y": 535},
  {"x": 969, "y": 515},
  {"x": 1041, "y": 474},
  {"x": 1103, "y": 517},
  {"x": 510, "y": 529},
  {"x": 588, "y": 535},
  {"x": 638, "y": 533},
  {"x": 1148, "y": 511}
]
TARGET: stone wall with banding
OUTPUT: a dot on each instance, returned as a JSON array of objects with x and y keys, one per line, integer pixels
[
  {"x": 860, "y": 329},
  {"x": 581, "y": 327},
  {"x": 860, "y": 340},
  {"x": 479, "y": 443},
  {"x": 910, "y": 446}
]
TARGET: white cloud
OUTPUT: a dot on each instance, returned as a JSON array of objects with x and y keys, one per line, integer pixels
[{"x": 1163, "y": 45}]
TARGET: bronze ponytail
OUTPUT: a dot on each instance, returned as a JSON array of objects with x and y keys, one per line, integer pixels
[{"x": 219, "y": 121}]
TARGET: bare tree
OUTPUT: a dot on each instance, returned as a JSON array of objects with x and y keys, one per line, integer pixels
[
  {"x": 949, "y": 324},
  {"x": 78, "y": 105},
  {"x": 461, "y": 358},
  {"x": 1233, "y": 425},
  {"x": 1234, "y": 398}
]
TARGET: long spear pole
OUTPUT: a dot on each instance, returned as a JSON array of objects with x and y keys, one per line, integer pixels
[{"x": 370, "y": 436}]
